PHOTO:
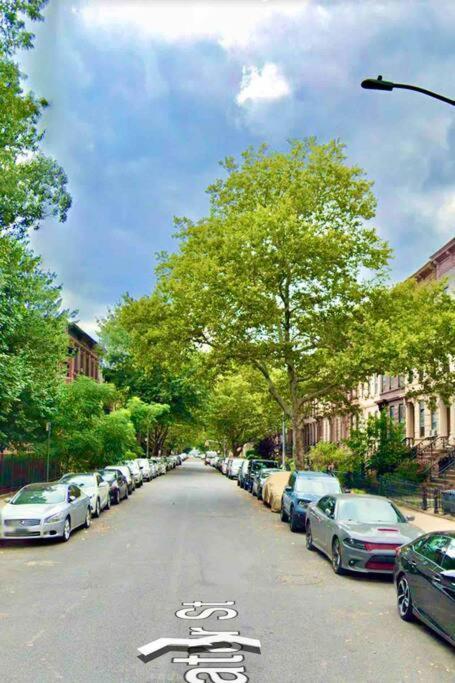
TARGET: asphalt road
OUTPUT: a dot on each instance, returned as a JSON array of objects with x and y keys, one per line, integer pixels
[{"x": 79, "y": 611}]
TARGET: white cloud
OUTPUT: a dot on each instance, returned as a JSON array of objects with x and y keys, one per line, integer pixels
[
  {"x": 228, "y": 23},
  {"x": 262, "y": 84}
]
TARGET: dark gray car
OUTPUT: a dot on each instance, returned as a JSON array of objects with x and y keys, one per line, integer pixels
[{"x": 358, "y": 533}]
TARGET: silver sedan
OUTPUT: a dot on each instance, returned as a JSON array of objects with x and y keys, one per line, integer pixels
[
  {"x": 45, "y": 511},
  {"x": 358, "y": 533}
]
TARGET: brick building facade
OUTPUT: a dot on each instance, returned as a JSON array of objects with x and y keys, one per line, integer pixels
[{"x": 83, "y": 356}]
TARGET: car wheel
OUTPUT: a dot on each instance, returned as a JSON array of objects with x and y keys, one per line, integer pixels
[
  {"x": 127, "y": 493},
  {"x": 253, "y": 492},
  {"x": 337, "y": 560},
  {"x": 404, "y": 599},
  {"x": 293, "y": 522},
  {"x": 309, "y": 537},
  {"x": 238, "y": 483},
  {"x": 108, "y": 503},
  {"x": 97, "y": 508},
  {"x": 88, "y": 518},
  {"x": 117, "y": 497},
  {"x": 66, "y": 530},
  {"x": 283, "y": 514},
  {"x": 259, "y": 495}
]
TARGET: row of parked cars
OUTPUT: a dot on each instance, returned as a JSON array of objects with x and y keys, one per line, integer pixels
[
  {"x": 49, "y": 510},
  {"x": 359, "y": 534}
]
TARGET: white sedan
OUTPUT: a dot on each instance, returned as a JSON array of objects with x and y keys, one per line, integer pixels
[{"x": 94, "y": 486}]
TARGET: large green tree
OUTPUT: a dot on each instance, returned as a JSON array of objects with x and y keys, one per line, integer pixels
[
  {"x": 179, "y": 390},
  {"x": 238, "y": 410},
  {"x": 33, "y": 343},
  {"x": 286, "y": 275},
  {"x": 32, "y": 185}
]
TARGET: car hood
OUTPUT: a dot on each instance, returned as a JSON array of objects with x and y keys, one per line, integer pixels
[
  {"x": 31, "y": 511},
  {"x": 382, "y": 532}
]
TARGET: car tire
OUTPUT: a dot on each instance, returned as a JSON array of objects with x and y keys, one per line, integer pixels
[
  {"x": 309, "y": 537},
  {"x": 252, "y": 491},
  {"x": 88, "y": 518},
  {"x": 108, "y": 502},
  {"x": 127, "y": 494},
  {"x": 283, "y": 514},
  {"x": 117, "y": 497},
  {"x": 294, "y": 526},
  {"x": 66, "y": 530},
  {"x": 259, "y": 496},
  {"x": 337, "y": 558},
  {"x": 404, "y": 599},
  {"x": 97, "y": 508}
]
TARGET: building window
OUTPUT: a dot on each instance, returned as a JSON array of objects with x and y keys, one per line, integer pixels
[
  {"x": 392, "y": 412},
  {"x": 401, "y": 381},
  {"x": 421, "y": 418},
  {"x": 434, "y": 422},
  {"x": 401, "y": 413}
]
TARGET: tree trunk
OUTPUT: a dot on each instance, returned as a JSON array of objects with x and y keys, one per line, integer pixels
[{"x": 298, "y": 440}]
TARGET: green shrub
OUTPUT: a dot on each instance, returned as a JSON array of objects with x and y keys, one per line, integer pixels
[{"x": 411, "y": 471}]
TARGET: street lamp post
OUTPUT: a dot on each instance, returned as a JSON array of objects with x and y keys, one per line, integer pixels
[
  {"x": 48, "y": 430},
  {"x": 379, "y": 84}
]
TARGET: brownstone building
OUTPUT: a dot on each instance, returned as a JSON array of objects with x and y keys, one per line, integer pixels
[{"x": 83, "y": 355}]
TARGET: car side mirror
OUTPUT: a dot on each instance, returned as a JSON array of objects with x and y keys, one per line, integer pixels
[
  {"x": 71, "y": 499},
  {"x": 449, "y": 574},
  {"x": 410, "y": 518}
]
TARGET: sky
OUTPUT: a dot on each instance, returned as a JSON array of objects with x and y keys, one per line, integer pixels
[{"x": 148, "y": 96}]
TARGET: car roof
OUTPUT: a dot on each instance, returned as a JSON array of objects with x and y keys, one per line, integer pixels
[
  {"x": 362, "y": 496},
  {"x": 307, "y": 473},
  {"x": 44, "y": 485}
]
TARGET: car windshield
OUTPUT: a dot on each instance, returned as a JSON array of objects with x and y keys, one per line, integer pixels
[
  {"x": 108, "y": 475},
  {"x": 368, "y": 511},
  {"x": 317, "y": 486},
  {"x": 40, "y": 495},
  {"x": 80, "y": 479}
]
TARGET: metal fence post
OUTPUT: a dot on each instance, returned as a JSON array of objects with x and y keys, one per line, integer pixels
[
  {"x": 424, "y": 498},
  {"x": 436, "y": 501}
]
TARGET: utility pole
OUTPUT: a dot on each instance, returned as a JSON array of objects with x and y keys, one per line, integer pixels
[{"x": 48, "y": 430}]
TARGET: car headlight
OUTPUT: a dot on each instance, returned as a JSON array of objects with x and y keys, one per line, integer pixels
[
  {"x": 58, "y": 517},
  {"x": 354, "y": 543}
]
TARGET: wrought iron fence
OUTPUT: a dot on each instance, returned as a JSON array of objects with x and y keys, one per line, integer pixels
[{"x": 18, "y": 470}]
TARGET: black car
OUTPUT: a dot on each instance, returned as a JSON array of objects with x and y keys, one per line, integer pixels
[
  {"x": 254, "y": 466},
  {"x": 425, "y": 581},
  {"x": 118, "y": 486}
]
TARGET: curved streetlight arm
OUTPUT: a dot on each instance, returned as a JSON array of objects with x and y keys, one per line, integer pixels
[
  {"x": 430, "y": 93},
  {"x": 379, "y": 84}
]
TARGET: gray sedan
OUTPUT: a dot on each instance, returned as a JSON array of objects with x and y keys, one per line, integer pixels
[
  {"x": 358, "y": 533},
  {"x": 45, "y": 511}
]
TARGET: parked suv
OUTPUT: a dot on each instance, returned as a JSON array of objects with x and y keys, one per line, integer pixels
[
  {"x": 254, "y": 466},
  {"x": 304, "y": 488}
]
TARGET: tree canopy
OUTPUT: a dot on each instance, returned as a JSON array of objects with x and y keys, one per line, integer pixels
[{"x": 286, "y": 275}]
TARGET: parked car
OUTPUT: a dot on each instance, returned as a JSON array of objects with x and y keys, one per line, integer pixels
[
  {"x": 243, "y": 469},
  {"x": 272, "y": 491},
  {"x": 144, "y": 466},
  {"x": 136, "y": 472},
  {"x": 260, "y": 478},
  {"x": 153, "y": 468},
  {"x": 302, "y": 489},
  {"x": 94, "y": 486},
  {"x": 125, "y": 470},
  {"x": 118, "y": 486},
  {"x": 225, "y": 465},
  {"x": 234, "y": 467},
  {"x": 160, "y": 464},
  {"x": 358, "y": 533},
  {"x": 45, "y": 511},
  {"x": 254, "y": 466},
  {"x": 425, "y": 582}
]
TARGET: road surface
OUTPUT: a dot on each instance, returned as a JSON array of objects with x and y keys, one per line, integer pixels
[{"x": 79, "y": 611}]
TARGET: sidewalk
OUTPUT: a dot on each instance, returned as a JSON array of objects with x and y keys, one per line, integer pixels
[{"x": 429, "y": 522}]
